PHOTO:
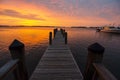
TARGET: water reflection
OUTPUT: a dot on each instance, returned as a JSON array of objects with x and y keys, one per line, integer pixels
[
  {"x": 31, "y": 37},
  {"x": 80, "y": 39},
  {"x": 107, "y": 36}
]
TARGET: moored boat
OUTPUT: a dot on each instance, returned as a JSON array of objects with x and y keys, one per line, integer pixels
[{"x": 111, "y": 29}]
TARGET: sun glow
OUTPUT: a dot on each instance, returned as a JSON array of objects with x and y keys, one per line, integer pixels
[{"x": 43, "y": 13}]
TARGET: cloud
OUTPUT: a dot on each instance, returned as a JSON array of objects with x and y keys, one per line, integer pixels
[
  {"x": 77, "y": 7},
  {"x": 67, "y": 11},
  {"x": 13, "y": 13}
]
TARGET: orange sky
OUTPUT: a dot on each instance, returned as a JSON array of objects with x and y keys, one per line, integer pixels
[{"x": 59, "y": 12}]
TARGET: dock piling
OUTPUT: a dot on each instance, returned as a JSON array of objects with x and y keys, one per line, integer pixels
[
  {"x": 65, "y": 35},
  {"x": 18, "y": 52},
  {"x": 54, "y": 31},
  {"x": 95, "y": 55},
  {"x": 61, "y": 30},
  {"x": 50, "y": 38}
]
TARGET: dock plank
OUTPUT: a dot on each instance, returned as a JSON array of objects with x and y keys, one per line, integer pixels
[{"x": 57, "y": 63}]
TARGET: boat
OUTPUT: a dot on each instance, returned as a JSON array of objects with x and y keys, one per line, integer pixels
[
  {"x": 111, "y": 29},
  {"x": 98, "y": 29}
]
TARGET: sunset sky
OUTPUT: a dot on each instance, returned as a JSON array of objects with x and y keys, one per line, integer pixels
[{"x": 60, "y": 12}]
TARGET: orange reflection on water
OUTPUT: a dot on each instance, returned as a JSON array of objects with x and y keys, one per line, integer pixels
[{"x": 31, "y": 37}]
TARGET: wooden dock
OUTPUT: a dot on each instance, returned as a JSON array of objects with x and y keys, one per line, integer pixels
[{"x": 57, "y": 63}]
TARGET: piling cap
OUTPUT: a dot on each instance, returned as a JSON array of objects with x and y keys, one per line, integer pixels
[
  {"x": 16, "y": 45},
  {"x": 66, "y": 33},
  {"x": 96, "y": 48}
]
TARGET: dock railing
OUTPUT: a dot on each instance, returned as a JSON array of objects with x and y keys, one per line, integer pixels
[
  {"x": 9, "y": 67},
  {"x": 17, "y": 64},
  {"x": 95, "y": 70},
  {"x": 102, "y": 73}
]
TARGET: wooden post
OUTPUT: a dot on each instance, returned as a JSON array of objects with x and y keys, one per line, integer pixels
[
  {"x": 17, "y": 74},
  {"x": 65, "y": 37},
  {"x": 64, "y": 30},
  {"x": 54, "y": 31},
  {"x": 18, "y": 52},
  {"x": 50, "y": 38},
  {"x": 95, "y": 55},
  {"x": 63, "y": 33},
  {"x": 61, "y": 30}
]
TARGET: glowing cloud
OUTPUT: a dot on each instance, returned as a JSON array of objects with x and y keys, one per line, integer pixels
[
  {"x": 60, "y": 12},
  {"x": 13, "y": 13}
]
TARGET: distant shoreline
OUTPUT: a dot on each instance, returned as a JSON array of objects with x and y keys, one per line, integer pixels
[{"x": 25, "y": 26}]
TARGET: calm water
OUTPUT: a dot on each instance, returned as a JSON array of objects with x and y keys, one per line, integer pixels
[
  {"x": 31, "y": 37},
  {"x": 36, "y": 41}
]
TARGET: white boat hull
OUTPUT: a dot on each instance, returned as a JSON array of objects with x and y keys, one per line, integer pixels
[{"x": 111, "y": 31}]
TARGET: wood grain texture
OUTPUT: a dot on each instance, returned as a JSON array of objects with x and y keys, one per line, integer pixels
[
  {"x": 57, "y": 63},
  {"x": 103, "y": 73}
]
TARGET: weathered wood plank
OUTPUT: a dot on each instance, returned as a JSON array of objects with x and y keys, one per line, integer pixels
[
  {"x": 7, "y": 68},
  {"x": 103, "y": 73},
  {"x": 57, "y": 63}
]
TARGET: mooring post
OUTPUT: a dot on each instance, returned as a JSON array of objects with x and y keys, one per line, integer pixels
[
  {"x": 95, "y": 55},
  {"x": 61, "y": 31},
  {"x": 18, "y": 52},
  {"x": 54, "y": 31},
  {"x": 65, "y": 34},
  {"x": 50, "y": 38}
]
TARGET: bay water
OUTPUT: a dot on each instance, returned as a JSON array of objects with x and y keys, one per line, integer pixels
[{"x": 36, "y": 41}]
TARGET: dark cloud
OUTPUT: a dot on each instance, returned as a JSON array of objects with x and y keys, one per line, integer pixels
[
  {"x": 13, "y": 13},
  {"x": 78, "y": 7}
]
